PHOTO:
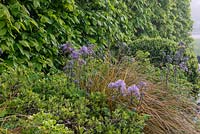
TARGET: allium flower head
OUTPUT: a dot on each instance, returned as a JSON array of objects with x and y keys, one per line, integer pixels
[
  {"x": 84, "y": 50},
  {"x": 119, "y": 84},
  {"x": 134, "y": 89},
  {"x": 75, "y": 54},
  {"x": 112, "y": 85}
]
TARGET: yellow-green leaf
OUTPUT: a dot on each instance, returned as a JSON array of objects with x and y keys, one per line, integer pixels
[{"x": 3, "y": 31}]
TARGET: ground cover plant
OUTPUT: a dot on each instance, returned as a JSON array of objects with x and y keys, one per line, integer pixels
[{"x": 34, "y": 103}]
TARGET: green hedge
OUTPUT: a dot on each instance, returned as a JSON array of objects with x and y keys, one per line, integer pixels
[{"x": 32, "y": 30}]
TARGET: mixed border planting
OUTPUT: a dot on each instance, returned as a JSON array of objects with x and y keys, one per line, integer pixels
[{"x": 99, "y": 66}]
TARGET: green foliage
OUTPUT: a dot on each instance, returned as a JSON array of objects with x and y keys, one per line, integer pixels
[
  {"x": 159, "y": 48},
  {"x": 192, "y": 66},
  {"x": 39, "y": 103},
  {"x": 31, "y": 30},
  {"x": 196, "y": 45},
  {"x": 44, "y": 123},
  {"x": 155, "y": 46}
]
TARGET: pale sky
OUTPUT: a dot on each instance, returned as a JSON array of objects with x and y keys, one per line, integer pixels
[{"x": 195, "y": 6}]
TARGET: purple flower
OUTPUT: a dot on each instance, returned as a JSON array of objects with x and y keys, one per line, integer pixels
[
  {"x": 142, "y": 84},
  {"x": 183, "y": 66},
  {"x": 66, "y": 48},
  {"x": 76, "y": 81},
  {"x": 81, "y": 62},
  {"x": 90, "y": 49},
  {"x": 69, "y": 65},
  {"x": 75, "y": 54},
  {"x": 181, "y": 43},
  {"x": 84, "y": 50},
  {"x": 185, "y": 59},
  {"x": 134, "y": 89},
  {"x": 120, "y": 84},
  {"x": 169, "y": 59}
]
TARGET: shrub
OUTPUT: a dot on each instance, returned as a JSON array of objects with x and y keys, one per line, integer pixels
[
  {"x": 33, "y": 102},
  {"x": 156, "y": 47},
  {"x": 162, "y": 50},
  {"x": 31, "y": 30}
]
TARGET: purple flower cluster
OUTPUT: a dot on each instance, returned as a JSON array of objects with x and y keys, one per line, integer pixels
[
  {"x": 183, "y": 66},
  {"x": 66, "y": 48},
  {"x": 142, "y": 84},
  {"x": 120, "y": 84},
  {"x": 134, "y": 89},
  {"x": 76, "y": 54},
  {"x": 86, "y": 50},
  {"x": 179, "y": 58},
  {"x": 77, "y": 58}
]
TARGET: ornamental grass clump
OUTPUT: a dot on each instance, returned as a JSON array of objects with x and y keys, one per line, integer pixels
[
  {"x": 120, "y": 85},
  {"x": 169, "y": 113}
]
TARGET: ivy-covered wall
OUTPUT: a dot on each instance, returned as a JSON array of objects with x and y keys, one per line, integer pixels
[{"x": 32, "y": 30}]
